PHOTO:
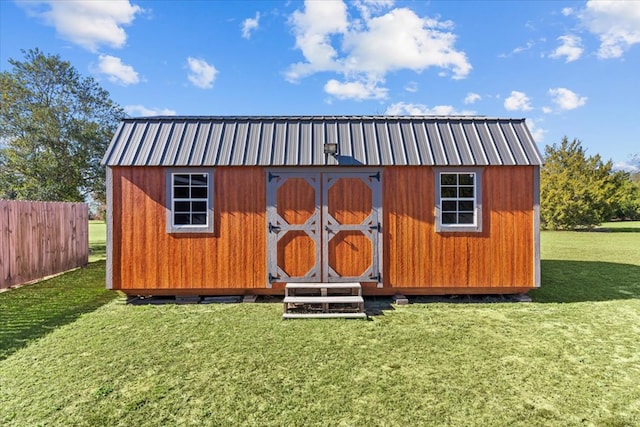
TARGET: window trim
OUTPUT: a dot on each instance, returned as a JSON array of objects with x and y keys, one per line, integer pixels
[
  {"x": 171, "y": 227},
  {"x": 476, "y": 227}
]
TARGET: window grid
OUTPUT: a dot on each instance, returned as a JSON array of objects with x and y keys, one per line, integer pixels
[
  {"x": 190, "y": 199},
  {"x": 458, "y": 196}
]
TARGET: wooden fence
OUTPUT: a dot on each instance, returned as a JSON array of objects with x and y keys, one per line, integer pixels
[{"x": 38, "y": 239}]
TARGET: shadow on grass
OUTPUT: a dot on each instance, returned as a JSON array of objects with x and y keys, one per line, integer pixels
[
  {"x": 33, "y": 311},
  {"x": 581, "y": 281}
]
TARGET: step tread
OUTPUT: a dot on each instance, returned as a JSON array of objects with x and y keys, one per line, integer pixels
[
  {"x": 323, "y": 285},
  {"x": 323, "y": 315},
  {"x": 331, "y": 299}
]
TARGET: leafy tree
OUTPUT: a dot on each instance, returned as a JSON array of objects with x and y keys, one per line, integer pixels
[
  {"x": 54, "y": 128},
  {"x": 626, "y": 202},
  {"x": 576, "y": 191}
]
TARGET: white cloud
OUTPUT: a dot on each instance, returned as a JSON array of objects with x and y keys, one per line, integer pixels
[
  {"x": 142, "y": 111},
  {"x": 249, "y": 25},
  {"x": 626, "y": 166},
  {"x": 517, "y": 101},
  {"x": 116, "y": 71},
  {"x": 201, "y": 74},
  {"x": 411, "y": 87},
  {"x": 365, "y": 49},
  {"x": 403, "y": 108},
  {"x": 571, "y": 48},
  {"x": 518, "y": 49},
  {"x": 566, "y": 99},
  {"x": 472, "y": 98},
  {"x": 547, "y": 110},
  {"x": 536, "y": 132},
  {"x": 616, "y": 23},
  {"x": 355, "y": 90},
  {"x": 567, "y": 11},
  {"x": 89, "y": 24}
]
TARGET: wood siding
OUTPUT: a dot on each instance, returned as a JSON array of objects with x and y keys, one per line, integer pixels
[
  {"x": 501, "y": 256},
  {"x": 38, "y": 239},
  {"x": 233, "y": 259},
  {"x": 145, "y": 256}
]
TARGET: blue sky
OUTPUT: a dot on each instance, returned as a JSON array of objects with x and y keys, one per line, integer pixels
[{"x": 570, "y": 67}]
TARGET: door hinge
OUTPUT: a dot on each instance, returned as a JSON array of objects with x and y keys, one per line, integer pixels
[
  {"x": 377, "y": 278},
  {"x": 375, "y": 176},
  {"x": 273, "y": 228},
  {"x": 377, "y": 227},
  {"x": 272, "y": 176},
  {"x": 272, "y": 278}
]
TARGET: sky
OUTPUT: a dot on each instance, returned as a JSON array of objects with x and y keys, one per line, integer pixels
[{"x": 571, "y": 68}]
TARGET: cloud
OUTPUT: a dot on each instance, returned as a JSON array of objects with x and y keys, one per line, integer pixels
[
  {"x": 517, "y": 101},
  {"x": 472, "y": 98},
  {"x": 116, "y": 71},
  {"x": 411, "y": 87},
  {"x": 249, "y": 25},
  {"x": 355, "y": 90},
  {"x": 616, "y": 23},
  {"x": 626, "y": 166},
  {"x": 201, "y": 74},
  {"x": 403, "y": 108},
  {"x": 363, "y": 50},
  {"x": 142, "y": 111},
  {"x": 89, "y": 24},
  {"x": 567, "y": 11},
  {"x": 518, "y": 49},
  {"x": 571, "y": 48},
  {"x": 566, "y": 99}
]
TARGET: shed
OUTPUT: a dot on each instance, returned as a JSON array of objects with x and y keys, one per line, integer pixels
[{"x": 243, "y": 205}]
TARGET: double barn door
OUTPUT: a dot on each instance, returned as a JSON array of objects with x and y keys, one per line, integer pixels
[{"x": 324, "y": 226}]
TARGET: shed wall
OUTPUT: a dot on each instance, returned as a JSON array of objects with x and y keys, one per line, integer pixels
[
  {"x": 146, "y": 257},
  {"x": 416, "y": 259},
  {"x": 501, "y": 256}
]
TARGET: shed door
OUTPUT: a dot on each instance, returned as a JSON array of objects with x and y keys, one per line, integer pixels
[{"x": 323, "y": 227}]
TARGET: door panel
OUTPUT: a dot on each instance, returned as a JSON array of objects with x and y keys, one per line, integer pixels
[{"x": 324, "y": 227}]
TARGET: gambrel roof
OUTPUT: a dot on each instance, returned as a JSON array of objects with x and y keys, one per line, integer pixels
[{"x": 298, "y": 141}]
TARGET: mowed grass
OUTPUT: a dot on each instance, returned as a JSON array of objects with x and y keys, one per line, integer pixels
[
  {"x": 570, "y": 358},
  {"x": 97, "y": 241}
]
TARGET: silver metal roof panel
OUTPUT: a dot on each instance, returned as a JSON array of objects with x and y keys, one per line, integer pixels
[{"x": 298, "y": 141}]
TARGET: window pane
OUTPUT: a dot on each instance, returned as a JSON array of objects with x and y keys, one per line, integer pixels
[
  {"x": 465, "y": 218},
  {"x": 182, "y": 207},
  {"x": 199, "y": 179},
  {"x": 199, "y": 207},
  {"x": 181, "y": 219},
  {"x": 449, "y": 206},
  {"x": 466, "y": 192},
  {"x": 181, "y": 179},
  {"x": 181, "y": 192},
  {"x": 448, "y": 192},
  {"x": 448, "y": 179},
  {"x": 199, "y": 219},
  {"x": 448, "y": 218},
  {"x": 466, "y": 178},
  {"x": 199, "y": 193},
  {"x": 465, "y": 205}
]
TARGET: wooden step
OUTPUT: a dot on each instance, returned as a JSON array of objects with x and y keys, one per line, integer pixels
[
  {"x": 331, "y": 299},
  {"x": 323, "y": 285},
  {"x": 332, "y": 315}
]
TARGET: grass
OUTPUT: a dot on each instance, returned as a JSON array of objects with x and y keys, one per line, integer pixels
[
  {"x": 570, "y": 358},
  {"x": 97, "y": 241}
]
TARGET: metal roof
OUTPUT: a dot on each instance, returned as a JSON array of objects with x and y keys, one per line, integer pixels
[{"x": 298, "y": 141}]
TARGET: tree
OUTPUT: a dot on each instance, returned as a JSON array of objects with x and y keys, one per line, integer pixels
[
  {"x": 54, "y": 129},
  {"x": 626, "y": 203},
  {"x": 576, "y": 191}
]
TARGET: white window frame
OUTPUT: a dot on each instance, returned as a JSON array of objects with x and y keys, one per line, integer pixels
[
  {"x": 476, "y": 226},
  {"x": 170, "y": 199}
]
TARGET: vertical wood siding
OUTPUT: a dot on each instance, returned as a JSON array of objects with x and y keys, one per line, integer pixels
[
  {"x": 502, "y": 255},
  {"x": 38, "y": 239},
  {"x": 147, "y": 257}
]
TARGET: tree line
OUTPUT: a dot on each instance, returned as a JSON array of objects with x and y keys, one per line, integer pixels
[{"x": 55, "y": 126}]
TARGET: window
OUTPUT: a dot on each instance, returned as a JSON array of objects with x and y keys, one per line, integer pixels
[
  {"x": 189, "y": 197},
  {"x": 458, "y": 200}
]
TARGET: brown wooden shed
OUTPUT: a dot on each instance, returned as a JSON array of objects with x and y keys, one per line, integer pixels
[{"x": 244, "y": 205}]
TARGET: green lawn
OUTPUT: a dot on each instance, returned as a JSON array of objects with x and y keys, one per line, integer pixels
[
  {"x": 97, "y": 240},
  {"x": 571, "y": 358}
]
